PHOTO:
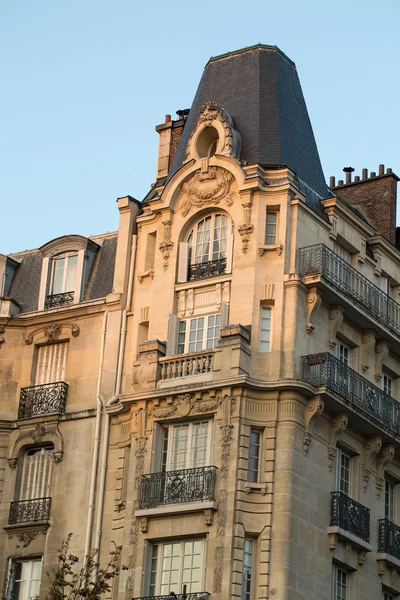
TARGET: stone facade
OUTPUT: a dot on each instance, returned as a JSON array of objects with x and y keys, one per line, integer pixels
[{"x": 230, "y": 421}]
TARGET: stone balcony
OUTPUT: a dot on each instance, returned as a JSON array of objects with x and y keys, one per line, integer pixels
[{"x": 231, "y": 358}]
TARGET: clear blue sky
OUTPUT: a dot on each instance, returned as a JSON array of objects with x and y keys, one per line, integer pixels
[{"x": 84, "y": 83}]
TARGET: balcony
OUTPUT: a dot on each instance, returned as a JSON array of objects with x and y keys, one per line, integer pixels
[
  {"x": 46, "y": 399},
  {"x": 204, "y": 270},
  {"x": 349, "y": 516},
  {"x": 389, "y": 538},
  {"x": 29, "y": 511},
  {"x": 342, "y": 284},
  {"x": 56, "y": 300},
  {"x": 186, "y": 596},
  {"x": 183, "y": 365},
  {"x": 355, "y": 391},
  {"x": 176, "y": 487}
]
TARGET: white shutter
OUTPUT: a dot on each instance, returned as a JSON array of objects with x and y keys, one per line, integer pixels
[
  {"x": 157, "y": 452},
  {"x": 51, "y": 363},
  {"x": 172, "y": 334},
  {"x": 229, "y": 252},
  {"x": 36, "y": 474},
  {"x": 44, "y": 282},
  {"x": 183, "y": 262}
]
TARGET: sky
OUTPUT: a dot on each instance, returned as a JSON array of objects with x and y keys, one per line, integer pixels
[{"x": 85, "y": 82}]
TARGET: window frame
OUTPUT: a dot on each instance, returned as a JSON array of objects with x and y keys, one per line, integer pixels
[
  {"x": 65, "y": 256},
  {"x": 163, "y": 445},
  {"x": 183, "y": 347},
  {"x": 335, "y": 582},
  {"x": 268, "y": 309},
  {"x": 343, "y": 465},
  {"x": 275, "y": 213},
  {"x": 248, "y": 569},
  {"x": 29, "y": 481},
  {"x": 11, "y": 583},
  {"x": 256, "y": 471}
]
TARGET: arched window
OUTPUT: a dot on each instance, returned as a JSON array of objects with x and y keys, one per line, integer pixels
[{"x": 207, "y": 251}]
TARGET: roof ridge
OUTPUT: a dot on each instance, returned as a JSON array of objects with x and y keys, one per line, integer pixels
[{"x": 258, "y": 46}]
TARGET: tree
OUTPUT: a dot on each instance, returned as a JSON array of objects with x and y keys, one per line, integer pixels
[{"x": 89, "y": 582}]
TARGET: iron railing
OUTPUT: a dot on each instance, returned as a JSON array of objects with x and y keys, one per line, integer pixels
[
  {"x": 187, "y": 596},
  {"x": 325, "y": 369},
  {"x": 349, "y": 515},
  {"x": 389, "y": 538},
  {"x": 45, "y": 399},
  {"x": 175, "y": 487},
  {"x": 29, "y": 511},
  {"x": 59, "y": 299},
  {"x": 320, "y": 260},
  {"x": 186, "y": 364},
  {"x": 212, "y": 268}
]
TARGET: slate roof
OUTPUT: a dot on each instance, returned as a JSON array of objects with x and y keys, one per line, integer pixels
[{"x": 260, "y": 89}]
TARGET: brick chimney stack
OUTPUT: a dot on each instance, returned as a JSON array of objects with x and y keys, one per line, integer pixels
[
  {"x": 374, "y": 195},
  {"x": 170, "y": 135}
]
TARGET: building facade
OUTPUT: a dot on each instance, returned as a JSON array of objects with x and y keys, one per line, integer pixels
[{"x": 214, "y": 385}]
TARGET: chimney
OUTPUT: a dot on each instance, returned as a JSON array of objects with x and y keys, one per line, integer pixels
[
  {"x": 170, "y": 135},
  {"x": 375, "y": 196}
]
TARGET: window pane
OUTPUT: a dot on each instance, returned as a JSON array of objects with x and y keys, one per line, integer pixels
[
  {"x": 270, "y": 229},
  {"x": 58, "y": 275},
  {"x": 71, "y": 273},
  {"x": 254, "y": 456},
  {"x": 247, "y": 569},
  {"x": 265, "y": 329}
]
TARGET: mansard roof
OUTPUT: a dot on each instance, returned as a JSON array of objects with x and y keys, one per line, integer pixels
[{"x": 260, "y": 89}]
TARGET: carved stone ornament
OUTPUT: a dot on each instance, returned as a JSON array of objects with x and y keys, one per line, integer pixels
[
  {"x": 247, "y": 228},
  {"x": 38, "y": 433},
  {"x": 338, "y": 425},
  {"x": 371, "y": 448},
  {"x": 183, "y": 405},
  {"x": 384, "y": 458},
  {"x": 381, "y": 354},
  {"x": 206, "y": 188},
  {"x": 52, "y": 332},
  {"x": 167, "y": 244},
  {"x": 313, "y": 303},
  {"x": 208, "y": 517},
  {"x": 314, "y": 409},
  {"x": 368, "y": 342},
  {"x": 211, "y": 115},
  {"x": 226, "y": 441},
  {"x": 12, "y": 462},
  {"x": 57, "y": 457},
  {"x": 144, "y": 524},
  {"x": 335, "y": 321},
  {"x": 218, "y": 568}
]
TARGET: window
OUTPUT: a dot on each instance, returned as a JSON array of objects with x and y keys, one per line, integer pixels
[
  {"x": 265, "y": 329},
  {"x": 36, "y": 474},
  {"x": 51, "y": 363},
  {"x": 184, "y": 446},
  {"x": 271, "y": 228},
  {"x": 339, "y": 584},
  {"x": 200, "y": 333},
  {"x": 24, "y": 579},
  {"x": 387, "y": 596},
  {"x": 343, "y": 462},
  {"x": 389, "y": 499},
  {"x": 387, "y": 384},
  {"x": 247, "y": 569},
  {"x": 341, "y": 373},
  {"x": 343, "y": 353},
  {"x": 64, "y": 274},
  {"x": 175, "y": 564},
  {"x": 207, "y": 251},
  {"x": 254, "y": 456}
]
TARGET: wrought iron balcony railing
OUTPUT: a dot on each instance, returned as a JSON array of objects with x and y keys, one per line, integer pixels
[
  {"x": 212, "y": 268},
  {"x": 350, "y": 515},
  {"x": 45, "y": 399},
  {"x": 176, "y": 487},
  {"x": 320, "y": 260},
  {"x": 389, "y": 538},
  {"x": 182, "y": 365},
  {"x": 59, "y": 299},
  {"x": 187, "y": 596},
  {"x": 325, "y": 369},
  {"x": 29, "y": 511}
]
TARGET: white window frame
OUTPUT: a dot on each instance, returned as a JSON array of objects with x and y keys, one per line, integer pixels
[
  {"x": 51, "y": 363},
  {"x": 66, "y": 256},
  {"x": 265, "y": 331},
  {"x": 255, "y": 445},
  {"x": 164, "y": 445},
  {"x": 340, "y": 583},
  {"x": 343, "y": 468},
  {"x": 390, "y": 499},
  {"x": 205, "y": 342},
  {"x": 30, "y": 580},
  {"x": 248, "y": 569},
  {"x": 159, "y": 564},
  {"x": 271, "y": 214},
  {"x": 194, "y": 235},
  {"x": 387, "y": 383}
]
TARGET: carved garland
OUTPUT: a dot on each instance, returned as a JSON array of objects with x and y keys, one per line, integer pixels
[
  {"x": 247, "y": 228},
  {"x": 167, "y": 244},
  {"x": 207, "y": 187},
  {"x": 52, "y": 332}
]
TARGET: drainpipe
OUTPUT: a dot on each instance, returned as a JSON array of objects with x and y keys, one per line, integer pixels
[
  {"x": 96, "y": 449},
  {"x": 114, "y": 400}
]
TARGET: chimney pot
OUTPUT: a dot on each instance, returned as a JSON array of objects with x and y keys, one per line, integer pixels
[
  {"x": 168, "y": 118},
  {"x": 365, "y": 174},
  {"x": 340, "y": 182},
  {"x": 332, "y": 181},
  {"x": 381, "y": 169},
  {"x": 389, "y": 171},
  {"x": 373, "y": 174},
  {"x": 356, "y": 178}
]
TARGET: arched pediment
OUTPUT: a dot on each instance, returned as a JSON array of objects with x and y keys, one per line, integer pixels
[
  {"x": 67, "y": 243},
  {"x": 38, "y": 435}
]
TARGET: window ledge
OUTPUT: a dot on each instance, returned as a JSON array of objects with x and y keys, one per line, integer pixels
[
  {"x": 262, "y": 249},
  {"x": 31, "y": 528},
  {"x": 255, "y": 487}
]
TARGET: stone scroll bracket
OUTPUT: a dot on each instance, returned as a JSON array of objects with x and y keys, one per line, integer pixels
[
  {"x": 246, "y": 229},
  {"x": 338, "y": 425},
  {"x": 167, "y": 244},
  {"x": 313, "y": 410},
  {"x": 336, "y": 314},
  {"x": 368, "y": 342},
  {"x": 314, "y": 299},
  {"x": 52, "y": 332},
  {"x": 381, "y": 354},
  {"x": 383, "y": 459},
  {"x": 371, "y": 448}
]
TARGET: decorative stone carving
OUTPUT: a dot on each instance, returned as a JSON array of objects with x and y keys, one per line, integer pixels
[
  {"x": 58, "y": 456},
  {"x": 363, "y": 249},
  {"x": 183, "y": 405},
  {"x": 384, "y": 458},
  {"x": 338, "y": 425},
  {"x": 208, "y": 517},
  {"x": 381, "y": 354},
  {"x": 206, "y": 188},
  {"x": 335, "y": 320},
  {"x": 361, "y": 555},
  {"x": 247, "y": 228},
  {"x": 314, "y": 300},
  {"x": 333, "y": 232},
  {"x": 38, "y": 433},
  {"x": 139, "y": 454},
  {"x": 12, "y": 462},
  {"x": 218, "y": 569},
  {"x": 347, "y": 552},
  {"x": 222, "y": 513},
  {"x": 371, "y": 448},
  {"x": 143, "y": 524},
  {"x": 52, "y": 332},
  {"x": 26, "y": 537},
  {"x": 167, "y": 244},
  {"x": 368, "y": 342},
  {"x": 314, "y": 409},
  {"x": 211, "y": 114},
  {"x": 226, "y": 441},
  {"x": 149, "y": 273}
]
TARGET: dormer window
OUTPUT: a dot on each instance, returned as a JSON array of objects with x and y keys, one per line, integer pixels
[
  {"x": 208, "y": 249},
  {"x": 63, "y": 280}
]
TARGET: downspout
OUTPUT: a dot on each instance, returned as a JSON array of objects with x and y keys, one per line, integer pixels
[
  {"x": 96, "y": 449},
  {"x": 114, "y": 400}
]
